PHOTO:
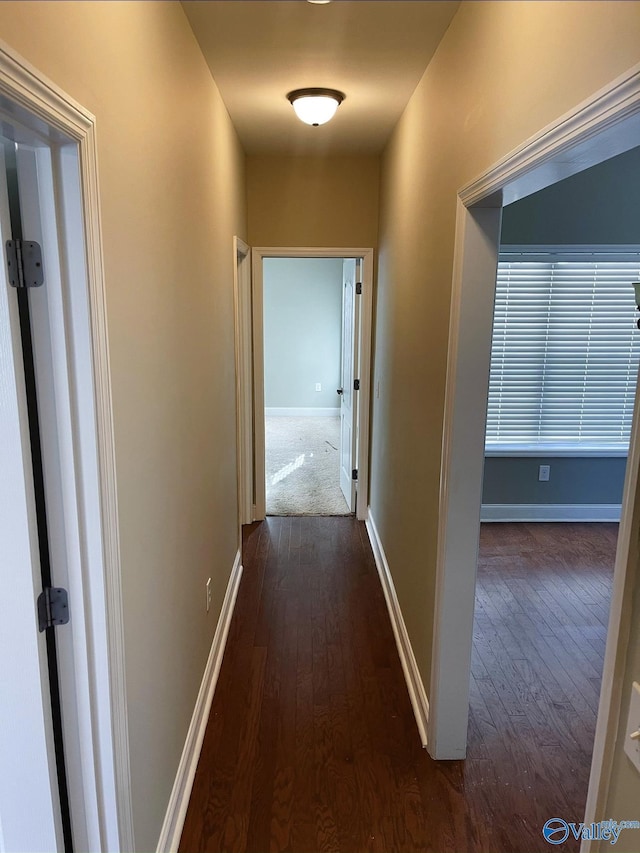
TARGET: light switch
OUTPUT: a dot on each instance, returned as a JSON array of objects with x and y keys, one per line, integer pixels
[{"x": 632, "y": 739}]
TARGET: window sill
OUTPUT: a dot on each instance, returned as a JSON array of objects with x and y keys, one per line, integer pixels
[{"x": 555, "y": 450}]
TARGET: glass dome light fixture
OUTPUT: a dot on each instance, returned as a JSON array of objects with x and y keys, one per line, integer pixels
[{"x": 315, "y": 106}]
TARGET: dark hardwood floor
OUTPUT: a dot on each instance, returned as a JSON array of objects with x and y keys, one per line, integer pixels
[{"x": 312, "y": 744}]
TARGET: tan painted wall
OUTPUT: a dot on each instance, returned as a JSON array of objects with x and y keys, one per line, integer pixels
[
  {"x": 313, "y": 201},
  {"x": 172, "y": 191},
  {"x": 503, "y": 71}
]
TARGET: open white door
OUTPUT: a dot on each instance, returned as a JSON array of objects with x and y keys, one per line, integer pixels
[
  {"x": 29, "y": 804},
  {"x": 348, "y": 399}
]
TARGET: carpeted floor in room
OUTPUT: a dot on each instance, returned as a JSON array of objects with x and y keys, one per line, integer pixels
[{"x": 302, "y": 466}]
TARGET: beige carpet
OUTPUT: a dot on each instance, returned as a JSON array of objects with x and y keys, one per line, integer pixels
[{"x": 302, "y": 466}]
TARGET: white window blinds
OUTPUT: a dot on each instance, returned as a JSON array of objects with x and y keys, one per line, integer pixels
[{"x": 565, "y": 351}]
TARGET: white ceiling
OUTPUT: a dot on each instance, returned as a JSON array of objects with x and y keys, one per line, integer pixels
[{"x": 375, "y": 51}]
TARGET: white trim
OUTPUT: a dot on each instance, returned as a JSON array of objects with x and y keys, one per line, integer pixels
[
  {"x": 26, "y": 739},
  {"x": 462, "y": 465},
  {"x": 550, "y": 452},
  {"x": 364, "y": 395},
  {"x": 533, "y": 252},
  {"x": 179, "y": 800},
  {"x": 312, "y": 252},
  {"x": 599, "y": 128},
  {"x": 415, "y": 686},
  {"x": 302, "y": 412},
  {"x": 604, "y": 111},
  {"x": 244, "y": 379},
  {"x": 364, "y": 402},
  {"x": 259, "y": 441},
  {"x": 613, "y": 683},
  {"x": 550, "y": 512},
  {"x": 104, "y": 722}
]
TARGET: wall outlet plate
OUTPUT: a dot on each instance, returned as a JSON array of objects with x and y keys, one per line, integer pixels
[
  {"x": 318, "y": 386},
  {"x": 544, "y": 472},
  {"x": 631, "y": 744}
]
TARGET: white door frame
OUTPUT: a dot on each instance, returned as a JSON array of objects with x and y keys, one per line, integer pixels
[
  {"x": 364, "y": 402},
  {"x": 30, "y": 98},
  {"x": 601, "y": 127},
  {"x": 26, "y": 732},
  {"x": 349, "y": 370},
  {"x": 244, "y": 377}
]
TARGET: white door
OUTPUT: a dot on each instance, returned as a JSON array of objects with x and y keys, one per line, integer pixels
[
  {"x": 29, "y": 803},
  {"x": 348, "y": 396}
]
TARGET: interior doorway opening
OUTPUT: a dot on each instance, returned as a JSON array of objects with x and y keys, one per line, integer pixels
[
  {"x": 596, "y": 130},
  {"x": 304, "y": 359},
  {"x": 562, "y": 386},
  {"x": 281, "y": 381},
  {"x": 49, "y": 197}
]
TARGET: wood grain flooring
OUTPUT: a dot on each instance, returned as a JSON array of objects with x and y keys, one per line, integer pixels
[{"x": 311, "y": 743}]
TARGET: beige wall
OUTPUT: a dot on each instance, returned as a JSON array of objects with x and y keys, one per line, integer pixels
[
  {"x": 502, "y": 72},
  {"x": 172, "y": 192},
  {"x": 313, "y": 201}
]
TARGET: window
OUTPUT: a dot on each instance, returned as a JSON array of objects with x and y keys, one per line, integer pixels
[{"x": 565, "y": 351}]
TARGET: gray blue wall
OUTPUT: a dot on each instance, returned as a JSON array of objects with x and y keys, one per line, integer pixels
[
  {"x": 573, "y": 480},
  {"x": 302, "y": 332},
  {"x": 599, "y": 206}
]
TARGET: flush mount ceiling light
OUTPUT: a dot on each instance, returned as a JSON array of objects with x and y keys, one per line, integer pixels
[
  {"x": 319, "y": 2},
  {"x": 315, "y": 106}
]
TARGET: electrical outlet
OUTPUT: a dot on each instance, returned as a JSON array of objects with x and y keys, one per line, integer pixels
[
  {"x": 632, "y": 740},
  {"x": 208, "y": 594},
  {"x": 378, "y": 390},
  {"x": 318, "y": 386},
  {"x": 544, "y": 472}
]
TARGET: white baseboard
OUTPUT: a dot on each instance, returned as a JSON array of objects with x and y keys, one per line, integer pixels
[
  {"x": 550, "y": 512},
  {"x": 302, "y": 412},
  {"x": 417, "y": 693},
  {"x": 179, "y": 799}
]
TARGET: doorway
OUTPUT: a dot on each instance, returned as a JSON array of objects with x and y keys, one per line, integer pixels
[
  {"x": 564, "y": 366},
  {"x": 303, "y": 319},
  {"x": 561, "y": 150},
  {"x": 49, "y": 171},
  {"x": 347, "y": 412}
]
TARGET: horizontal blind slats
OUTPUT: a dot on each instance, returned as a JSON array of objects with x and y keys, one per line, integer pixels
[{"x": 565, "y": 349}]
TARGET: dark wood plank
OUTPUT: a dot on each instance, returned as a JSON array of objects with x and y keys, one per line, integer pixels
[{"x": 311, "y": 743}]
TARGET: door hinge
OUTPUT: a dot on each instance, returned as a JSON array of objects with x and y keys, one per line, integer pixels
[
  {"x": 24, "y": 263},
  {"x": 354, "y": 474},
  {"x": 53, "y": 608},
  {"x": 356, "y": 384},
  {"x": 359, "y": 288}
]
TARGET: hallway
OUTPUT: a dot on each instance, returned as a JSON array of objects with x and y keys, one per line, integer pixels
[{"x": 312, "y": 743}]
